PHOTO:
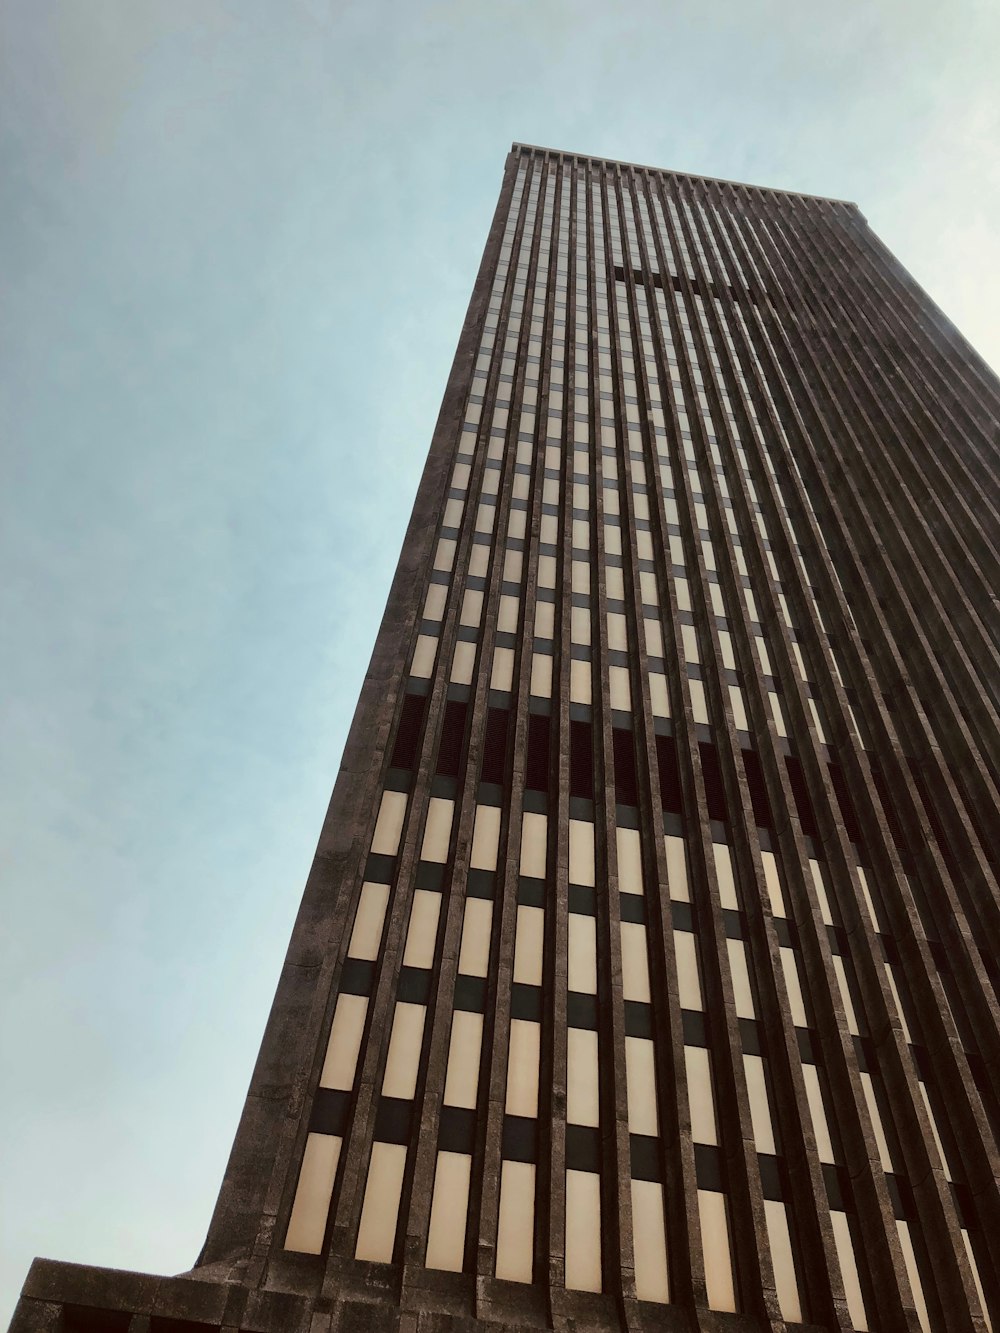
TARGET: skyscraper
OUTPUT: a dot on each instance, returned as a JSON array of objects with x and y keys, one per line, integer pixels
[{"x": 646, "y": 974}]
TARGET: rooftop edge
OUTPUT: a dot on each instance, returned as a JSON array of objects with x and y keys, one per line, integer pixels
[{"x": 517, "y": 147}]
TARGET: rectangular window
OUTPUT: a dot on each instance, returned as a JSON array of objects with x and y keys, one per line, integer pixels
[
  {"x": 421, "y": 933},
  {"x": 582, "y": 947},
  {"x": 516, "y": 1231},
  {"x": 522, "y": 1068},
  {"x": 449, "y": 1206},
  {"x": 368, "y": 921},
  {"x": 380, "y": 1211},
  {"x": 474, "y": 958},
  {"x": 635, "y": 962},
  {"x": 581, "y": 852},
  {"x": 649, "y": 1235},
  {"x": 582, "y": 1083},
  {"x": 437, "y": 830},
  {"x": 462, "y": 1081},
  {"x": 583, "y": 1231},
  {"x": 403, "y": 1060},
  {"x": 307, "y": 1224},
  {"x": 715, "y": 1244},
  {"x": 342, "y": 1049},
  {"x": 388, "y": 826}
]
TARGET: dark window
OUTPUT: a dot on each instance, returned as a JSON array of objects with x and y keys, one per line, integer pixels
[
  {"x": 536, "y": 768},
  {"x": 87, "y": 1319},
  {"x": 626, "y": 779},
  {"x": 670, "y": 777},
  {"x": 917, "y": 769},
  {"x": 758, "y": 791},
  {"x": 715, "y": 792},
  {"x": 847, "y": 810},
  {"x": 581, "y": 760},
  {"x": 803, "y": 804},
  {"x": 411, "y": 719},
  {"x": 452, "y": 739},
  {"x": 495, "y": 746}
]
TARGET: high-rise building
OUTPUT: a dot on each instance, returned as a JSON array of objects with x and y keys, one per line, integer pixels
[{"x": 646, "y": 974}]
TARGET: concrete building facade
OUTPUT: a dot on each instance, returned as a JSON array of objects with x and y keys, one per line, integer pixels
[{"x": 646, "y": 975}]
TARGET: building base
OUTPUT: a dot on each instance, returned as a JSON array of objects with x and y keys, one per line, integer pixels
[{"x": 77, "y": 1298}]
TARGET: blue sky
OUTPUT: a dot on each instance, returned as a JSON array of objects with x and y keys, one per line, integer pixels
[{"x": 238, "y": 239}]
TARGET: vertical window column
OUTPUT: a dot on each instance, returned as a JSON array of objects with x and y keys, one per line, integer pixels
[{"x": 583, "y": 1182}]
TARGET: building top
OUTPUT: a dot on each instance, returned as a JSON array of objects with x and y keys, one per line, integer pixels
[{"x": 531, "y": 149}]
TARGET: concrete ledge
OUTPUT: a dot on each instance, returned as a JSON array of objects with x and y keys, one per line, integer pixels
[{"x": 77, "y": 1298}]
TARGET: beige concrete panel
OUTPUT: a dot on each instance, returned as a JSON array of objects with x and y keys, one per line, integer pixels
[
  {"x": 449, "y": 1209},
  {"x": 677, "y": 878},
  {"x": 617, "y": 632},
  {"x": 474, "y": 957},
  {"x": 582, "y": 949},
  {"x": 522, "y": 1068},
  {"x": 485, "y": 838},
  {"x": 307, "y": 1224},
  {"x": 581, "y": 852},
  {"x": 529, "y": 945},
  {"x": 424, "y": 654},
  {"x": 472, "y": 608},
  {"x": 715, "y": 1245},
  {"x": 688, "y": 976},
  {"x": 507, "y": 615},
  {"x": 380, "y": 1211},
  {"x": 534, "y": 836},
  {"x": 913, "y": 1273},
  {"x": 516, "y": 1230},
  {"x": 541, "y": 675},
  {"x": 845, "y": 995},
  {"x": 580, "y": 624},
  {"x": 635, "y": 962},
  {"x": 796, "y": 1004},
  {"x": 649, "y": 1235},
  {"x": 819, "y": 884},
  {"x": 463, "y": 664},
  {"x": 760, "y": 1110},
  {"x": 849, "y": 1270},
  {"x": 342, "y": 1049},
  {"x": 821, "y": 1128},
  {"x": 388, "y": 826},
  {"x": 620, "y": 689},
  {"x": 629, "y": 847},
  {"x": 421, "y": 933},
  {"x": 786, "y": 1282},
  {"x": 640, "y": 1074},
  {"x": 461, "y": 1086},
  {"x": 435, "y": 602},
  {"x": 369, "y": 919},
  {"x": 659, "y": 695},
  {"x": 444, "y": 555},
  {"x": 885, "y": 1157},
  {"x": 403, "y": 1060},
  {"x": 502, "y": 675},
  {"x": 545, "y": 620},
  {"x": 437, "y": 830},
  {"x": 773, "y": 882},
  {"x": 699, "y": 704},
  {"x": 726, "y": 877},
  {"x": 583, "y": 1231},
  {"x": 742, "y": 993},
  {"x": 580, "y": 684},
  {"x": 583, "y": 1102},
  {"x": 479, "y": 559},
  {"x": 701, "y": 1098}
]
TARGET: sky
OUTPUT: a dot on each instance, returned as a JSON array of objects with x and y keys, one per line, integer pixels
[{"x": 238, "y": 239}]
